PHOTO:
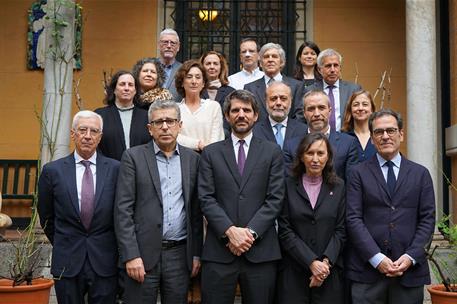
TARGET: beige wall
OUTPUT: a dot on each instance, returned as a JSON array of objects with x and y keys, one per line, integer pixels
[{"x": 116, "y": 33}]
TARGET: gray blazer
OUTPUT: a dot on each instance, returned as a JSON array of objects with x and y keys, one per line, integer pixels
[
  {"x": 170, "y": 83},
  {"x": 138, "y": 206}
]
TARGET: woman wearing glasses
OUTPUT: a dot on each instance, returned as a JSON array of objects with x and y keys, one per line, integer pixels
[
  {"x": 201, "y": 118},
  {"x": 124, "y": 124},
  {"x": 355, "y": 122}
]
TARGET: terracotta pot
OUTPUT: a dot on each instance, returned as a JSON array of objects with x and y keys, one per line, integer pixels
[
  {"x": 37, "y": 293},
  {"x": 440, "y": 296}
]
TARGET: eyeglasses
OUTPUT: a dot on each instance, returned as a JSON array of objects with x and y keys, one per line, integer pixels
[
  {"x": 158, "y": 124},
  {"x": 92, "y": 131},
  {"x": 168, "y": 42},
  {"x": 389, "y": 131}
]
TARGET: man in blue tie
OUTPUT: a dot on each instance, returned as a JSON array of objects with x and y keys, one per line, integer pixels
[
  {"x": 390, "y": 218},
  {"x": 75, "y": 204},
  {"x": 278, "y": 127},
  {"x": 240, "y": 187}
]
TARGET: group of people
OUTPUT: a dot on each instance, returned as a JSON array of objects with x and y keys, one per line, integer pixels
[{"x": 293, "y": 188}]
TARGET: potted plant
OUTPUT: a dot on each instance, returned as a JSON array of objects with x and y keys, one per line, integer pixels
[{"x": 444, "y": 264}]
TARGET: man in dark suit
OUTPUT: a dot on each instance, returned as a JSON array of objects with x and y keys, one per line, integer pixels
[
  {"x": 277, "y": 127},
  {"x": 241, "y": 187},
  {"x": 390, "y": 218},
  {"x": 158, "y": 222},
  {"x": 272, "y": 61},
  {"x": 75, "y": 204},
  {"x": 339, "y": 91},
  {"x": 317, "y": 111},
  {"x": 168, "y": 48}
]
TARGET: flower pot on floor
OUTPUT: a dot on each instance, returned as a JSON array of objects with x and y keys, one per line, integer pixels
[
  {"x": 37, "y": 293},
  {"x": 439, "y": 295}
]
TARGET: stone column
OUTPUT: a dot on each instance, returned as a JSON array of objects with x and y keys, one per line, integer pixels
[
  {"x": 421, "y": 86},
  {"x": 58, "y": 82}
]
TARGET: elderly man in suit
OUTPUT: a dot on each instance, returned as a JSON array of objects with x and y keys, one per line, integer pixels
[
  {"x": 390, "y": 218},
  {"x": 317, "y": 111},
  {"x": 272, "y": 61},
  {"x": 168, "y": 48},
  {"x": 158, "y": 221},
  {"x": 241, "y": 188},
  {"x": 277, "y": 127},
  {"x": 75, "y": 204},
  {"x": 339, "y": 91}
]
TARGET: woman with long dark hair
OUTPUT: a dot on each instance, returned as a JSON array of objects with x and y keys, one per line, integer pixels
[{"x": 306, "y": 63}]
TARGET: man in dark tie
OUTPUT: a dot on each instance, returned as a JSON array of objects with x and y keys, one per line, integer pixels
[
  {"x": 241, "y": 187},
  {"x": 158, "y": 222},
  {"x": 390, "y": 218},
  {"x": 75, "y": 204},
  {"x": 317, "y": 111},
  {"x": 339, "y": 91},
  {"x": 278, "y": 127}
]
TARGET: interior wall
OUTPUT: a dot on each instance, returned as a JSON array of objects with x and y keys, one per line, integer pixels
[{"x": 116, "y": 33}]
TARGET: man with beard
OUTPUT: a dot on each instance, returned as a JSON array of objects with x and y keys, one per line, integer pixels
[
  {"x": 240, "y": 186},
  {"x": 277, "y": 127}
]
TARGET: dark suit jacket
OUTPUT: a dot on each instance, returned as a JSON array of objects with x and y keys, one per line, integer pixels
[
  {"x": 138, "y": 210},
  {"x": 222, "y": 92},
  {"x": 113, "y": 143},
  {"x": 258, "y": 88},
  {"x": 170, "y": 85},
  {"x": 345, "y": 155},
  {"x": 395, "y": 225},
  {"x": 253, "y": 200},
  {"x": 307, "y": 234},
  {"x": 59, "y": 215},
  {"x": 262, "y": 129},
  {"x": 346, "y": 90}
]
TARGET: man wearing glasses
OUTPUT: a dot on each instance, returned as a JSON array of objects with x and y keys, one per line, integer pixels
[
  {"x": 390, "y": 218},
  {"x": 168, "y": 48},
  {"x": 157, "y": 217},
  {"x": 75, "y": 204}
]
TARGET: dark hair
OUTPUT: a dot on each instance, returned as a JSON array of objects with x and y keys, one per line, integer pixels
[
  {"x": 348, "y": 119},
  {"x": 252, "y": 40},
  {"x": 298, "y": 69},
  {"x": 110, "y": 98},
  {"x": 223, "y": 74},
  {"x": 182, "y": 72},
  {"x": 298, "y": 169},
  {"x": 160, "y": 72},
  {"x": 385, "y": 112},
  {"x": 243, "y": 95}
]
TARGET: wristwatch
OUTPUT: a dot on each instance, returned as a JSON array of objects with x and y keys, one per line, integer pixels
[{"x": 254, "y": 234}]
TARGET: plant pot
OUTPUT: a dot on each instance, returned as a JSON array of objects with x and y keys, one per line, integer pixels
[
  {"x": 37, "y": 293},
  {"x": 439, "y": 295}
]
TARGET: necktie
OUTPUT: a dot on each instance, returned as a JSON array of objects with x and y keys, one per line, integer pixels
[
  {"x": 270, "y": 81},
  {"x": 87, "y": 195},
  {"x": 391, "y": 180},
  {"x": 241, "y": 156},
  {"x": 278, "y": 135},
  {"x": 332, "y": 105}
]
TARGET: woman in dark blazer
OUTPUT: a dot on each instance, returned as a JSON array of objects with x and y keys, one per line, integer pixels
[
  {"x": 311, "y": 228},
  {"x": 124, "y": 124}
]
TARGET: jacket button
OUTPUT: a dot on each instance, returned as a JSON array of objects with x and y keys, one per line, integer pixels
[
  {"x": 159, "y": 225},
  {"x": 392, "y": 225}
]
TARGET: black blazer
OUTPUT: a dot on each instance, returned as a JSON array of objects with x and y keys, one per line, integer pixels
[
  {"x": 258, "y": 88},
  {"x": 253, "y": 200},
  {"x": 112, "y": 143},
  {"x": 262, "y": 129},
  {"x": 59, "y": 215}
]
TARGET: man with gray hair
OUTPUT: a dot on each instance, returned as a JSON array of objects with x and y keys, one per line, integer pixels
[
  {"x": 158, "y": 222},
  {"x": 339, "y": 91},
  {"x": 75, "y": 204},
  {"x": 272, "y": 61},
  {"x": 168, "y": 48}
]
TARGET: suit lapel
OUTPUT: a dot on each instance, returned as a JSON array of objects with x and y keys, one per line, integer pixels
[
  {"x": 373, "y": 165},
  {"x": 114, "y": 113},
  {"x": 402, "y": 174},
  {"x": 229, "y": 156},
  {"x": 185, "y": 174},
  {"x": 100, "y": 178},
  {"x": 343, "y": 97},
  {"x": 70, "y": 172},
  {"x": 151, "y": 162},
  {"x": 261, "y": 89},
  {"x": 323, "y": 193},
  {"x": 267, "y": 130}
]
